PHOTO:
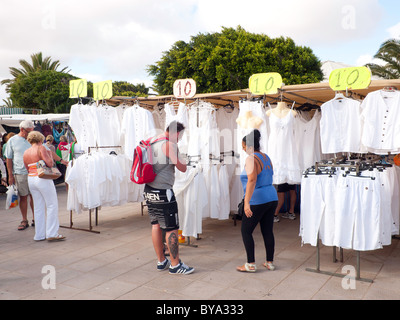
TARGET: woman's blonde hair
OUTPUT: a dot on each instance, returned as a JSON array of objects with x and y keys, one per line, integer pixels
[
  {"x": 35, "y": 137},
  {"x": 50, "y": 137}
]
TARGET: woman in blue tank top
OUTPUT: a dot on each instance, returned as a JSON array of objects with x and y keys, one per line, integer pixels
[{"x": 260, "y": 201}]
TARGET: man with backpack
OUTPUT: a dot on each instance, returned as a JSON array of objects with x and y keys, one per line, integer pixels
[{"x": 160, "y": 199}]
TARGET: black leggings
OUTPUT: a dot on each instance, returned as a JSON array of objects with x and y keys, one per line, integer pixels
[{"x": 263, "y": 214}]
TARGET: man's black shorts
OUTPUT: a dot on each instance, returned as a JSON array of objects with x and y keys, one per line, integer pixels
[
  {"x": 162, "y": 206},
  {"x": 284, "y": 187}
]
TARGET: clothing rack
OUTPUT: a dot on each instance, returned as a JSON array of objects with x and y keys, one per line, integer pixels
[
  {"x": 90, "y": 210},
  {"x": 357, "y": 167}
]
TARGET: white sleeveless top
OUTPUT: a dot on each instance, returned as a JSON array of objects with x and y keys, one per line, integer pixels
[{"x": 282, "y": 149}]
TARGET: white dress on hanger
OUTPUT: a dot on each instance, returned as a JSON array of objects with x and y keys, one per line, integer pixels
[
  {"x": 82, "y": 121},
  {"x": 137, "y": 125},
  {"x": 282, "y": 149},
  {"x": 308, "y": 140},
  {"x": 257, "y": 110},
  {"x": 181, "y": 115},
  {"x": 226, "y": 123}
]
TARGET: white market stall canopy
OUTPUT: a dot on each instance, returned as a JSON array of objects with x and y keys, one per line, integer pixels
[{"x": 13, "y": 120}]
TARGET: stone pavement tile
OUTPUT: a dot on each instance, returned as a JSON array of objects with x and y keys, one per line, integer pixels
[
  {"x": 138, "y": 276},
  {"x": 336, "y": 288},
  {"x": 235, "y": 294},
  {"x": 381, "y": 293},
  {"x": 299, "y": 285},
  {"x": 200, "y": 290},
  {"x": 89, "y": 295},
  {"x": 61, "y": 292},
  {"x": 146, "y": 293},
  {"x": 86, "y": 265},
  {"x": 19, "y": 285},
  {"x": 254, "y": 285},
  {"x": 113, "y": 289},
  {"x": 221, "y": 278},
  {"x": 85, "y": 281},
  {"x": 170, "y": 283}
]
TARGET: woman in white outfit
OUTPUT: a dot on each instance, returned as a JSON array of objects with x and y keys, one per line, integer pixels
[{"x": 43, "y": 190}]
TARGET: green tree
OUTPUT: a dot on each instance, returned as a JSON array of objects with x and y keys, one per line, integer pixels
[
  {"x": 389, "y": 52},
  {"x": 126, "y": 89},
  {"x": 224, "y": 61},
  {"x": 43, "y": 89},
  {"x": 37, "y": 63}
]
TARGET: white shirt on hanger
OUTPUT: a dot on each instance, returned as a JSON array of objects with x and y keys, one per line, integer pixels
[
  {"x": 340, "y": 126},
  {"x": 381, "y": 118},
  {"x": 137, "y": 124}
]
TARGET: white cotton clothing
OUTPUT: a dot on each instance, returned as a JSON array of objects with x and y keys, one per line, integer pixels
[
  {"x": 100, "y": 179},
  {"x": 226, "y": 123},
  {"x": 82, "y": 121},
  {"x": 381, "y": 118},
  {"x": 257, "y": 110},
  {"x": 137, "y": 124},
  {"x": 203, "y": 133},
  {"x": 107, "y": 126},
  {"x": 317, "y": 209},
  {"x": 340, "y": 126},
  {"x": 236, "y": 189},
  {"x": 358, "y": 213},
  {"x": 308, "y": 140},
  {"x": 224, "y": 193},
  {"x": 282, "y": 149},
  {"x": 192, "y": 197},
  {"x": 181, "y": 115},
  {"x": 213, "y": 190},
  {"x": 159, "y": 118},
  {"x": 44, "y": 196}
]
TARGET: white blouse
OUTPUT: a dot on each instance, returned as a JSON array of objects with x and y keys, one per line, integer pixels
[{"x": 381, "y": 117}]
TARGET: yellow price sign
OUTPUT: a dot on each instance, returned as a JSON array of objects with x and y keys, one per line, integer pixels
[
  {"x": 265, "y": 83},
  {"x": 78, "y": 88},
  {"x": 102, "y": 90},
  {"x": 350, "y": 78}
]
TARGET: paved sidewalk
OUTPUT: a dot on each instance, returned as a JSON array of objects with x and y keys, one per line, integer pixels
[{"x": 119, "y": 263}]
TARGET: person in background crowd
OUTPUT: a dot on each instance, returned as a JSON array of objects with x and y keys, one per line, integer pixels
[
  {"x": 5, "y": 139},
  {"x": 160, "y": 198},
  {"x": 43, "y": 190},
  {"x": 282, "y": 190},
  {"x": 17, "y": 172},
  {"x": 260, "y": 201},
  {"x": 50, "y": 143}
]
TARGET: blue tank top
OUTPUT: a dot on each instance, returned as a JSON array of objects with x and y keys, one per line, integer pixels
[{"x": 264, "y": 191}]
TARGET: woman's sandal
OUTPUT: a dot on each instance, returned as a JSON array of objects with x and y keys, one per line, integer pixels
[
  {"x": 247, "y": 267},
  {"x": 269, "y": 265},
  {"x": 56, "y": 238},
  {"x": 24, "y": 224}
]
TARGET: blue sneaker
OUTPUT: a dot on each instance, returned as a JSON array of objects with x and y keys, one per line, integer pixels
[
  {"x": 163, "y": 265},
  {"x": 181, "y": 268}
]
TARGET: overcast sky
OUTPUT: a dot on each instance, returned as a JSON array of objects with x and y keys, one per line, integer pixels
[{"x": 116, "y": 40}]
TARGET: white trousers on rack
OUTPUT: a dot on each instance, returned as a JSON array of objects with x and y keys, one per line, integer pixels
[{"x": 45, "y": 199}]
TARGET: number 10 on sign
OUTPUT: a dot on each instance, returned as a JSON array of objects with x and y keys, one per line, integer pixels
[
  {"x": 184, "y": 88},
  {"x": 102, "y": 90},
  {"x": 265, "y": 83}
]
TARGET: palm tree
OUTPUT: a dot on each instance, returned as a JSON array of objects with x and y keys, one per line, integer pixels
[
  {"x": 389, "y": 52},
  {"x": 38, "y": 63}
]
